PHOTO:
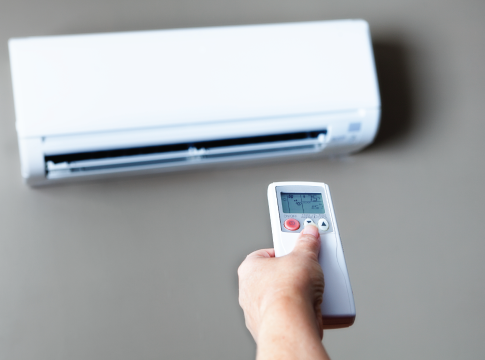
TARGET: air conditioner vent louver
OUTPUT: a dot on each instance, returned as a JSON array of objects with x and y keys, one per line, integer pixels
[
  {"x": 125, "y": 165},
  {"x": 166, "y": 155}
]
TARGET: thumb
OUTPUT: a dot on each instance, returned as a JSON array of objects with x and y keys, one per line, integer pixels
[{"x": 308, "y": 241}]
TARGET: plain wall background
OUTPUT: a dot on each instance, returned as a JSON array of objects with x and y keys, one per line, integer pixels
[{"x": 145, "y": 267}]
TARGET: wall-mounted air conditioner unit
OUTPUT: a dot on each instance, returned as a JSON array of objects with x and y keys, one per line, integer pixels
[{"x": 91, "y": 106}]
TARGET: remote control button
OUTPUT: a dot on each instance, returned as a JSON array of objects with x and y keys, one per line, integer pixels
[
  {"x": 323, "y": 224},
  {"x": 308, "y": 222},
  {"x": 292, "y": 224}
]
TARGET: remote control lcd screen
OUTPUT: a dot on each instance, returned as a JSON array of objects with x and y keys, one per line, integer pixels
[{"x": 300, "y": 203}]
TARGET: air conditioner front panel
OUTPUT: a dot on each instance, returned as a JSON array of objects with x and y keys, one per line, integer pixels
[{"x": 110, "y": 82}]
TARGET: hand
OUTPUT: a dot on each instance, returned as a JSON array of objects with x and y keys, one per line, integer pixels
[{"x": 281, "y": 298}]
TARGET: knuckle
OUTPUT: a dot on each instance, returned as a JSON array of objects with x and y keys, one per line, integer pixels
[{"x": 240, "y": 269}]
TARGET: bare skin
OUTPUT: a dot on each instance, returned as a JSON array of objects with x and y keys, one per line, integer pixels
[{"x": 281, "y": 300}]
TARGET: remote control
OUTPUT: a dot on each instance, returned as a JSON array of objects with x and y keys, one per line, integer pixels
[{"x": 294, "y": 205}]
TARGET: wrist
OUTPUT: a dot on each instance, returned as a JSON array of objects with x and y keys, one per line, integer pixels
[
  {"x": 288, "y": 329},
  {"x": 290, "y": 312}
]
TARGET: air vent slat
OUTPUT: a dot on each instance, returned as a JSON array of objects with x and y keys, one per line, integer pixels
[{"x": 124, "y": 165}]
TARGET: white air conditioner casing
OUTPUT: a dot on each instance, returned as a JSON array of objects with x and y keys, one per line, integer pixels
[{"x": 91, "y": 106}]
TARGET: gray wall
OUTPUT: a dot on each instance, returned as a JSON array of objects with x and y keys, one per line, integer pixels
[{"x": 146, "y": 267}]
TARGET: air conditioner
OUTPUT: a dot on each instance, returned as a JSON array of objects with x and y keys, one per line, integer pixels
[{"x": 91, "y": 106}]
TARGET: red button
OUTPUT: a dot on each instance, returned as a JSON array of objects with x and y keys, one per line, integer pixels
[{"x": 292, "y": 224}]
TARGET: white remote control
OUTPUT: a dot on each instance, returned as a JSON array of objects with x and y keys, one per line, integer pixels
[{"x": 292, "y": 206}]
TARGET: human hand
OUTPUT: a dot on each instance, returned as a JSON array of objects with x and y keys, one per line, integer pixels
[{"x": 282, "y": 296}]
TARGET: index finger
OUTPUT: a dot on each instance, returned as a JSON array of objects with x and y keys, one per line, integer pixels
[{"x": 263, "y": 253}]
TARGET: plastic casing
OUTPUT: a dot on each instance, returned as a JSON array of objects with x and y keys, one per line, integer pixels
[
  {"x": 338, "y": 308},
  {"x": 82, "y": 93}
]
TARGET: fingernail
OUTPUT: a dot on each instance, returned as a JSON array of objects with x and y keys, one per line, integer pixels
[{"x": 310, "y": 229}]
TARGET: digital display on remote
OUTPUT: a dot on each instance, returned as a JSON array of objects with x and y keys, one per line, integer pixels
[{"x": 302, "y": 203}]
